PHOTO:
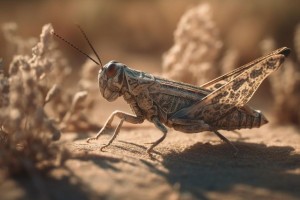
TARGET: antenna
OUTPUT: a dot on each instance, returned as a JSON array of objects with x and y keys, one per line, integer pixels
[
  {"x": 86, "y": 38},
  {"x": 75, "y": 47}
]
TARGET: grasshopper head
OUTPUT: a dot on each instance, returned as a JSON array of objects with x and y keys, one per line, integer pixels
[
  {"x": 110, "y": 80},
  {"x": 110, "y": 76}
]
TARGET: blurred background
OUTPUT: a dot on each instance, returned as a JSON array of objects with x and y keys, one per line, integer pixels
[{"x": 138, "y": 32}]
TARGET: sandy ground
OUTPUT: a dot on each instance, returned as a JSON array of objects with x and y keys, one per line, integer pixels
[{"x": 184, "y": 166}]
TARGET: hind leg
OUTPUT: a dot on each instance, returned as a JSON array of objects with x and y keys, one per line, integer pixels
[
  {"x": 222, "y": 137},
  {"x": 195, "y": 126}
]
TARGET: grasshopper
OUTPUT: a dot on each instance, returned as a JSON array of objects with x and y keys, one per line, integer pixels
[{"x": 220, "y": 104}]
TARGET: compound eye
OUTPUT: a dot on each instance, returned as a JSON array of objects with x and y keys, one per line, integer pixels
[{"x": 111, "y": 70}]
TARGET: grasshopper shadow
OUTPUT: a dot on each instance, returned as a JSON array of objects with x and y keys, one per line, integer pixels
[
  {"x": 64, "y": 185},
  {"x": 41, "y": 185},
  {"x": 213, "y": 168}
]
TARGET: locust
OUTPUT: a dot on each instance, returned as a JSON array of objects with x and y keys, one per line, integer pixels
[{"x": 220, "y": 104}]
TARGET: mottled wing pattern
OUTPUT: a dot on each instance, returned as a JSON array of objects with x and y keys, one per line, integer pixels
[
  {"x": 222, "y": 80},
  {"x": 236, "y": 93}
]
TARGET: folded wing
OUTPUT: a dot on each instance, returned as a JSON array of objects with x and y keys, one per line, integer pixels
[{"x": 237, "y": 89}]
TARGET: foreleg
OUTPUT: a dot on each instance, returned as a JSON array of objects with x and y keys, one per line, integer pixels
[{"x": 124, "y": 117}]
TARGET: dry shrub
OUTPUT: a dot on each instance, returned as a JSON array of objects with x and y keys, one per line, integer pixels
[
  {"x": 197, "y": 55},
  {"x": 27, "y": 129},
  {"x": 29, "y": 95},
  {"x": 197, "y": 46}
]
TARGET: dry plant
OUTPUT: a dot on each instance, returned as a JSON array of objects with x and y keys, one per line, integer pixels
[
  {"x": 29, "y": 95},
  {"x": 198, "y": 54},
  {"x": 285, "y": 86},
  {"x": 197, "y": 47}
]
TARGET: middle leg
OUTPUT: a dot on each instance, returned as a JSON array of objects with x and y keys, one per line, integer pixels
[{"x": 163, "y": 129}]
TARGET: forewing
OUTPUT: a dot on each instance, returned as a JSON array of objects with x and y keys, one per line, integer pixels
[
  {"x": 226, "y": 78},
  {"x": 235, "y": 93},
  {"x": 171, "y": 96}
]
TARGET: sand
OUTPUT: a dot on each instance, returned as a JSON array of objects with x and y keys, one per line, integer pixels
[{"x": 184, "y": 166}]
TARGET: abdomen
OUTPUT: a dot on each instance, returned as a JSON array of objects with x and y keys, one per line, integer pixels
[{"x": 238, "y": 119}]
